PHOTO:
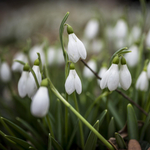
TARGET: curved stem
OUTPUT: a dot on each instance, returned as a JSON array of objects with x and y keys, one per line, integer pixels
[{"x": 107, "y": 144}]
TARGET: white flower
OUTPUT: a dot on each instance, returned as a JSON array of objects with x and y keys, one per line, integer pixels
[
  {"x": 73, "y": 83},
  {"x": 76, "y": 48},
  {"x": 17, "y": 66},
  {"x": 136, "y": 32},
  {"x": 133, "y": 56},
  {"x": 101, "y": 73},
  {"x": 31, "y": 84},
  {"x": 91, "y": 29},
  {"x": 97, "y": 45},
  {"x": 125, "y": 77},
  {"x": 33, "y": 53},
  {"x": 22, "y": 84},
  {"x": 51, "y": 55},
  {"x": 148, "y": 70},
  {"x": 40, "y": 102},
  {"x": 5, "y": 72},
  {"x": 148, "y": 39},
  {"x": 142, "y": 82},
  {"x": 120, "y": 29},
  {"x": 110, "y": 78},
  {"x": 86, "y": 72}
]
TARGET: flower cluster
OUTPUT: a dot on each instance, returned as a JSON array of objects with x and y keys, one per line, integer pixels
[{"x": 113, "y": 77}]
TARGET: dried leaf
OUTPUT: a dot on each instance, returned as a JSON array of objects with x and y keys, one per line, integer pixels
[{"x": 134, "y": 145}]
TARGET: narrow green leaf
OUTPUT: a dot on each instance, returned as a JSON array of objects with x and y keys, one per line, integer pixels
[
  {"x": 41, "y": 126},
  {"x": 56, "y": 144},
  {"x": 120, "y": 141},
  {"x": 147, "y": 122},
  {"x": 19, "y": 142},
  {"x": 61, "y": 29},
  {"x": 49, "y": 142},
  {"x": 132, "y": 124},
  {"x": 111, "y": 128},
  {"x": 144, "y": 145},
  {"x": 19, "y": 61},
  {"x": 92, "y": 138},
  {"x": 102, "y": 116},
  {"x": 23, "y": 133}
]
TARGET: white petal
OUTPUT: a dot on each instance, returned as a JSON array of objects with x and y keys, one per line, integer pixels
[
  {"x": 142, "y": 82},
  {"x": 101, "y": 73},
  {"x": 78, "y": 85},
  {"x": 40, "y": 103},
  {"x": 113, "y": 79},
  {"x": 5, "y": 72},
  {"x": 31, "y": 85},
  {"x": 22, "y": 88},
  {"x": 148, "y": 70},
  {"x": 36, "y": 69},
  {"x": 51, "y": 55},
  {"x": 70, "y": 83},
  {"x": 125, "y": 77},
  {"x": 72, "y": 48},
  {"x": 104, "y": 80}
]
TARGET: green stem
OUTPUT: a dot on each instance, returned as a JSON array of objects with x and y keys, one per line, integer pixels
[
  {"x": 108, "y": 145},
  {"x": 49, "y": 125},
  {"x": 80, "y": 123}
]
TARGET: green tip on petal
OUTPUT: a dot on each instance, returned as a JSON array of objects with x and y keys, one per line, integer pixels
[
  {"x": 116, "y": 60},
  {"x": 37, "y": 62},
  {"x": 69, "y": 29},
  {"x": 123, "y": 61},
  {"x": 26, "y": 67},
  {"x": 44, "y": 82},
  {"x": 72, "y": 66}
]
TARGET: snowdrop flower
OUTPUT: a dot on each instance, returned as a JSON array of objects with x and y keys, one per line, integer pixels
[
  {"x": 33, "y": 53},
  {"x": 101, "y": 73},
  {"x": 86, "y": 72},
  {"x": 136, "y": 32},
  {"x": 120, "y": 29},
  {"x": 51, "y": 55},
  {"x": 142, "y": 82},
  {"x": 148, "y": 70},
  {"x": 133, "y": 56},
  {"x": 91, "y": 29},
  {"x": 73, "y": 81},
  {"x": 5, "y": 72},
  {"x": 148, "y": 39},
  {"x": 125, "y": 76},
  {"x": 17, "y": 66},
  {"x": 76, "y": 48},
  {"x": 111, "y": 77},
  {"x": 22, "y": 84},
  {"x": 97, "y": 45},
  {"x": 31, "y": 84},
  {"x": 40, "y": 102}
]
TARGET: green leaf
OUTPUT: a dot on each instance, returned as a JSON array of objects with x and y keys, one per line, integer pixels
[
  {"x": 144, "y": 145},
  {"x": 56, "y": 144},
  {"x": 92, "y": 138},
  {"x": 23, "y": 133},
  {"x": 61, "y": 29},
  {"x": 102, "y": 116},
  {"x": 120, "y": 141},
  {"x": 19, "y": 61},
  {"x": 145, "y": 127},
  {"x": 49, "y": 142},
  {"x": 2, "y": 147},
  {"x": 19, "y": 142},
  {"x": 111, "y": 128},
  {"x": 132, "y": 124}
]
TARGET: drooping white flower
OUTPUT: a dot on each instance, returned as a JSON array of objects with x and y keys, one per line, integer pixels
[
  {"x": 148, "y": 70},
  {"x": 125, "y": 77},
  {"x": 76, "y": 48},
  {"x": 31, "y": 84},
  {"x": 73, "y": 83},
  {"x": 5, "y": 72},
  {"x": 17, "y": 66},
  {"x": 33, "y": 53},
  {"x": 142, "y": 82},
  {"x": 22, "y": 84},
  {"x": 86, "y": 72},
  {"x": 91, "y": 29},
  {"x": 148, "y": 39},
  {"x": 132, "y": 57},
  {"x": 40, "y": 102},
  {"x": 110, "y": 78},
  {"x": 136, "y": 32},
  {"x": 51, "y": 55},
  {"x": 97, "y": 45}
]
